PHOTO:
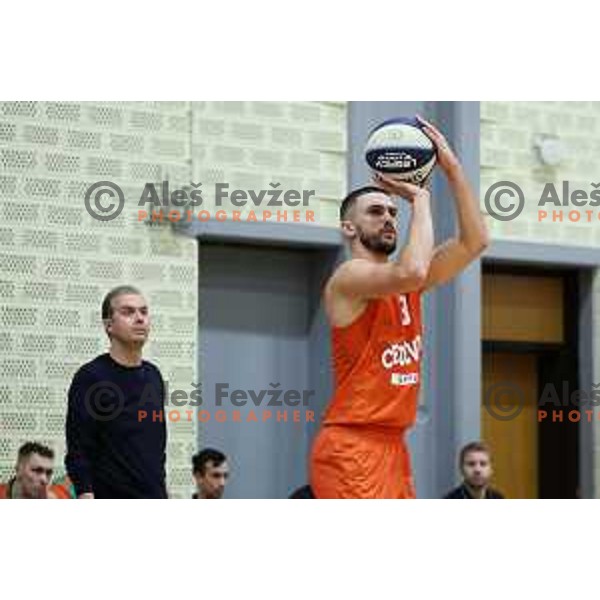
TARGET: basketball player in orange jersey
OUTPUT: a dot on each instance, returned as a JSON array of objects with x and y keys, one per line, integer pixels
[{"x": 374, "y": 307}]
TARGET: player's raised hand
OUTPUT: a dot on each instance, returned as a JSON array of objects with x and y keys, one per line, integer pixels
[
  {"x": 445, "y": 155},
  {"x": 408, "y": 191}
]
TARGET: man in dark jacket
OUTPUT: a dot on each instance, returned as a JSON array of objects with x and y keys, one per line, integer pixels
[
  {"x": 111, "y": 451},
  {"x": 476, "y": 467}
]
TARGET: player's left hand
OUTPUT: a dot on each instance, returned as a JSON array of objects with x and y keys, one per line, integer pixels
[
  {"x": 409, "y": 191},
  {"x": 446, "y": 158}
]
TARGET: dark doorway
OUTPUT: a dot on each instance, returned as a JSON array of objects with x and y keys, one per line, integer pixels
[{"x": 530, "y": 337}]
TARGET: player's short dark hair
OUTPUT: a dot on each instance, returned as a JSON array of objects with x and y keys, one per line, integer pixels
[
  {"x": 29, "y": 448},
  {"x": 107, "y": 308},
  {"x": 477, "y": 446},
  {"x": 350, "y": 200},
  {"x": 205, "y": 456}
]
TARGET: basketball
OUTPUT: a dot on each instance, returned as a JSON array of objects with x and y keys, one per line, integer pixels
[{"x": 400, "y": 148}]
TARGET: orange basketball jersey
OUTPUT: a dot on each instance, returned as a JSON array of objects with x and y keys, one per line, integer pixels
[{"x": 360, "y": 451}]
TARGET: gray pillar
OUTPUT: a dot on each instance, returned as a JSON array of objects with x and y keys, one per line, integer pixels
[{"x": 459, "y": 343}]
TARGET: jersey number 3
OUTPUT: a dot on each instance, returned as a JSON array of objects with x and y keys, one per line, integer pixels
[{"x": 404, "y": 312}]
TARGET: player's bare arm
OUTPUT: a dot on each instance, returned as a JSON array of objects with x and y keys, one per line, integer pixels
[{"x": 472, "y": 238}]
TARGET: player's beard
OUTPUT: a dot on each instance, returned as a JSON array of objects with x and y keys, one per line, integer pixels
[{"x": 376, "y": 242}]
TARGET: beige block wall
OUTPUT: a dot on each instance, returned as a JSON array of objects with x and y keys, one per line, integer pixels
[
  {"x": 509, "y": 131},
  {"x": 56, "y": 262},
  {"x": 250, "y": 145}
]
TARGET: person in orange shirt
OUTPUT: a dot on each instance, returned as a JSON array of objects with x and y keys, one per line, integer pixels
[
  {"x": 35, "y": 466},
  {"x": 373, "y": 305}
]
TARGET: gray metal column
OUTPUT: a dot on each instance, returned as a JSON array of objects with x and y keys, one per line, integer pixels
[{"x": 461, "y": 341}]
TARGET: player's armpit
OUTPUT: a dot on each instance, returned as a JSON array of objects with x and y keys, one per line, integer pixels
[
  {"x": 360, "y": 278},
  {"x": 449, "y": 259}
]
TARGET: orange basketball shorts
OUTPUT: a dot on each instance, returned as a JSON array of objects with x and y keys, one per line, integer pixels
[{"x": 360, "y": 462}]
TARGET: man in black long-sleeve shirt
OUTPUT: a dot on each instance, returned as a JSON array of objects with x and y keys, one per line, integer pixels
[{"x": 111, "y": 451}]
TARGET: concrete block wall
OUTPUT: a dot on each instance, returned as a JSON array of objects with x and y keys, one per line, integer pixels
[
  {"x": 509, "y": 132},
  {"x": 250, "y": 145}
]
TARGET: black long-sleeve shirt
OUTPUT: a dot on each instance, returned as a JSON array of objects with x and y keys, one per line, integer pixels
[
  {"x": 116, "y": 430},
  {"x": 462, "y": 493}
]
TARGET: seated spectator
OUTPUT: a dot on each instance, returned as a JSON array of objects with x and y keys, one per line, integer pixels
[
  {"x": 475, "y": 464},
  {"x": 210, "y": 471},
  {"x": 35, "y": 466}
]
